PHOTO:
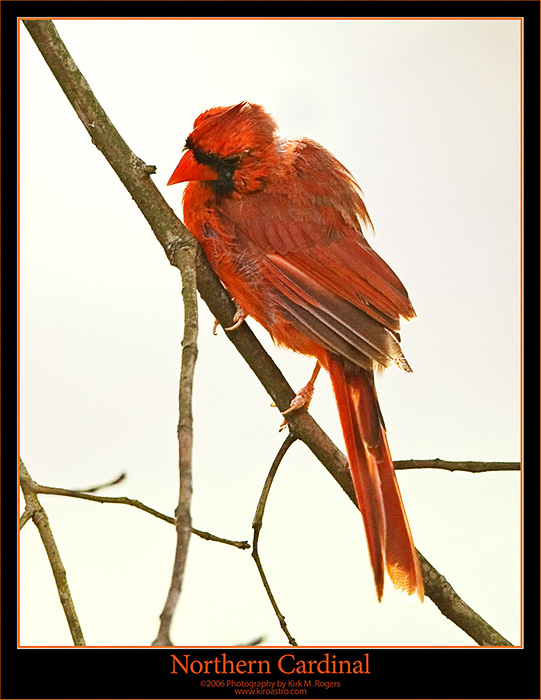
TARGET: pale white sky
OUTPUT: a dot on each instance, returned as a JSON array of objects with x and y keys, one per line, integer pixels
[{"x": 426, "y": 114}]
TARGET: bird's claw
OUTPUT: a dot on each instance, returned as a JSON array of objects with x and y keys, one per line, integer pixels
[
  {"x": 238, "y": 319},
  {"x": 303, "y": 398}
]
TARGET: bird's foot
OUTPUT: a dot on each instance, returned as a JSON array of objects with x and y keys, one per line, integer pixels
[
  {"x": 303, "y": 397},
  {"x": 238, "y": 318}
]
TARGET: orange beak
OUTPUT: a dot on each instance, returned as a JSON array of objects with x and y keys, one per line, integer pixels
[{"x": 190, "y": 169}]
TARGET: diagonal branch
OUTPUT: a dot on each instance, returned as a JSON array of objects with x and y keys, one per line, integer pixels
[
  {"x": 173, "y": 236},
  {"x": 440, "y": 591},
  {"x": 35, "y": 510}
]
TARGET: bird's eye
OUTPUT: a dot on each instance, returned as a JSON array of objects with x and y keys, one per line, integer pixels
[{"x": 232, "y": 161}]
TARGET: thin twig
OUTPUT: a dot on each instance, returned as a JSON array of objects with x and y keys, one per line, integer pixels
[
  {"x": 124, "y": 500},
  {"x": 119, "y": 479},
  {"x": 185, "y": 445},
  {"x": 25, "y": 517},
  {"x": 257, "y": 525},
  {"x": 474, "y": 467},
  {"x": 243, "y": 544},
  {"x": 173, "y": 236},
  {"x": 35, "y": 510},
  {"x": 254, "y": 643}
]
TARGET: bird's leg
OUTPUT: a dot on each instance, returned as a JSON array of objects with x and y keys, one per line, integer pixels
[{"x": 304, "y": 396}]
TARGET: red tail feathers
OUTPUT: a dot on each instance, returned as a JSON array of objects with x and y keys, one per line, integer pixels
[{"x": 390, "y": 543}]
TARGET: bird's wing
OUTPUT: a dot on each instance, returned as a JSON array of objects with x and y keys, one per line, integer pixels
[{"x": 305, "y": 231}]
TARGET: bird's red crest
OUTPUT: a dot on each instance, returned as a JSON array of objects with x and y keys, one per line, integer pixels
[{"x": 228, "y": 130}]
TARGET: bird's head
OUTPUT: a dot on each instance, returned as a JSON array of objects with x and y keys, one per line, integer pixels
[{"x": 233, "y": 148}]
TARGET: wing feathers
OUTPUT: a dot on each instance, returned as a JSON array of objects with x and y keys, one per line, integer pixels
[{"x": 339, "y": 325}]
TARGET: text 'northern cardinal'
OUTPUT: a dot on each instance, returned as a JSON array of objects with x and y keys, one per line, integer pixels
[{"x": 281, "y": 223}]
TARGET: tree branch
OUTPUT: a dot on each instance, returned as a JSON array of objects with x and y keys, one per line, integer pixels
[
  {"x": 258, "y": 524},
  {"x": 442, "y": 594},
  {"x": 185, "y": 446},
  {"x": 173, "y": 236},
  {"x": 35, "y": 510},
  {"x": 473, "y": 467},
  {"x": 124, "y": 500}
]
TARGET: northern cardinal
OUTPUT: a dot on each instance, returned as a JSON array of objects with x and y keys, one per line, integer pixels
[{"x": 281, "y": 222}]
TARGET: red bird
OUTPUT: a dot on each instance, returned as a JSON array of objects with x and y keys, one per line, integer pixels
[{"x": 281, "y": 222}]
